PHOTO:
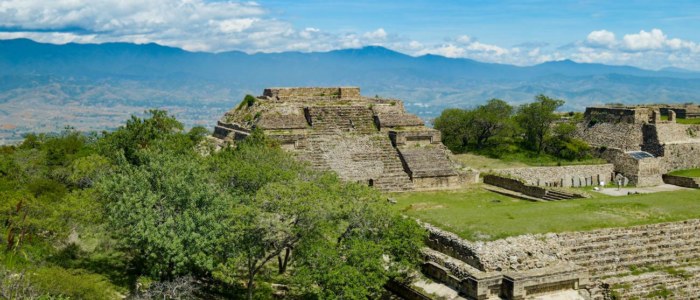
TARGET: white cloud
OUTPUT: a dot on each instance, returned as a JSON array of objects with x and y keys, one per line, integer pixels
[
  {"x": 601, "y": 38},
  {"x": 378, "y": 34},
  {"x": 463, "y": 39},
  {"x": 643, "y": 40}
]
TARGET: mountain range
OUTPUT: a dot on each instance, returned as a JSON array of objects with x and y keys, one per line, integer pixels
[{"x": 44, "y": 87}]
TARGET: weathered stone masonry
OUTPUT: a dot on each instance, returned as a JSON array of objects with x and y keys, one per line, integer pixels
[
  {"x": 620, "y": 133},
  {"x": 595, "y": 263},
  {"x": 369, "y": 140}
]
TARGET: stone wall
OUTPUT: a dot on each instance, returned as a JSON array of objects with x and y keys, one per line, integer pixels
[
  {"x": 614, "y": 251},
  {"x": 680, "y": 156},
  {"x": 423, "y": 137},
  {"x": 397, "y": 120},
  {"x": 515, "y": 185},
  {"x": 688, "y": 182},
  {"x": 563, "y": 176},
  {"x": 677, "y": 146},
  {"x": 640, "y": 172},
  {"x": 673, "y": 133},
  {"x": 618, "y": 115},
  {"x": 310, "y": 93},
  {"x": 528, "y": 190},
  {"x": 280, "y": 121},
  {"x": 624, "y": 136},
  {"x": 230, "y": 132},
  {"x": 513, "y": 268}
]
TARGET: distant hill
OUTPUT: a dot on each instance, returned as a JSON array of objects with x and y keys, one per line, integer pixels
[{"x": 43, "y": 86}]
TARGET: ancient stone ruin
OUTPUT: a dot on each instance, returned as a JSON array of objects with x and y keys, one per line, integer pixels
[
  {"x": 641, "y": 145},
  {"x": 642, "y": 262},
  {"x": 363, "y": 139}
]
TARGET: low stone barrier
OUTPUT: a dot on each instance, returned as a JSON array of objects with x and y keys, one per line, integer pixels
[
  {"x": 529, "y": 190},
  {"x": 563, "y": 176},
  {"x": 515, "y": 185},
  {"x": 688, "y": 182}
]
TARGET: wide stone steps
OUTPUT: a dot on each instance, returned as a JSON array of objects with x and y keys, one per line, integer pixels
[
  {"x": 644, "y": 286},
  {"x": 329, "y": 119},
  {"x": 552, "y": 195},
  {"x": 378, "y": 151},
  {"x": 615, "y": 252}
]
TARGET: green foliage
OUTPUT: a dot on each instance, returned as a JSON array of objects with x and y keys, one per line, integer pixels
[
  {"x": 167, "y": 213},
  {"x": 87, "y": 216},
  {"x": 494, "y": 131},
  {"x": 248, "y": 101},
  {"x": 253, "y": 163},
  {"x": 72, "y": 284},
  {"x": 85, "y": 171},
  {"x": 139, "y": 134},
  {"x": 197, "y": 134},
  {"x": 454, "y": 125},
  {"x": 565, "y": 146},
  {"x": 536, "y": 119},
  {"x": 464, "y": 129},
  {"x": 693, "y": 173},
  {"x": 491, "y": 120}
]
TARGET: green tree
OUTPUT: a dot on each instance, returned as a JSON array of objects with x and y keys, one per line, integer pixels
[
  {"x": 490, "y": 120},
  {"x": 455, "y": 126},
  {"x": 255, "y": 162},
  {"x": 564, "y": 145},
  {"x": 168, "y": 213},
  {"x": 140, "y": 133},
  {"x": 536, "y": 120},
  {"x": 362, "y": 245}
]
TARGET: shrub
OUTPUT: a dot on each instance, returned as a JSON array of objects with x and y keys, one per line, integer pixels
[{"x": 73, "y": 284}]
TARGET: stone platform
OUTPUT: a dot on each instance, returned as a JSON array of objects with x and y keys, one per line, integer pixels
[{"x": 369, "y": 140}]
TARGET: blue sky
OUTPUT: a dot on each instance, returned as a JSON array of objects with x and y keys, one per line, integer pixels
[
  {"x": 500, "y": 22},
  {"x": 648, "y": 34}
]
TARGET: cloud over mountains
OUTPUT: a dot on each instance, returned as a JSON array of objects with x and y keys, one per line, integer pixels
[{"x": 215, "y": 26}]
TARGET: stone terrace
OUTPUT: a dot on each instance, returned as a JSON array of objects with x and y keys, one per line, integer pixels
[
  {"x": 362, "y": 139},
  {"x": 638, "y": 261}
]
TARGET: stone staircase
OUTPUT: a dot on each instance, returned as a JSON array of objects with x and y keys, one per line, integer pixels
[
  {"x": 554, "y": 195},
  {"x": 611, "y": 254},
  {"x": 366, "y": 158},
  {"x": 654, "y": 285},
  {"x": 485, "y": 270},
  {"x": 427, "y": 161},
  {"x": 341, "y": 118},
  {"x": 657, "y": 261}
]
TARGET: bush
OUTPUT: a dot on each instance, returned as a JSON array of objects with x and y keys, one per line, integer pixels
[{"x": 248, "y": 101}]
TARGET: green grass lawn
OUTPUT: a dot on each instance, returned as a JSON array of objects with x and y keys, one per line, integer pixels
[
  {"x": 477, "y": 214},
  {"x": 516, "y": 160},
  {"x": 687, "y": 173},
  {"x": 688, "y": 121}
]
